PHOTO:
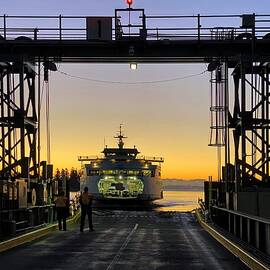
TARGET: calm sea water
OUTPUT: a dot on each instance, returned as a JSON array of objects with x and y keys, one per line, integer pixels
[{"x": 180, "y": 201}]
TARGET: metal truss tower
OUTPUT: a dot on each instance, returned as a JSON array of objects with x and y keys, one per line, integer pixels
[
  {"x": 246, "y": 122},
  {"x": 18, "y": 120},
  {"x": 250, "y": 121}
]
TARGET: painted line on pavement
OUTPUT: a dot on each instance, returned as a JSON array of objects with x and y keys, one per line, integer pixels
[{"x": 124, "y": 245}]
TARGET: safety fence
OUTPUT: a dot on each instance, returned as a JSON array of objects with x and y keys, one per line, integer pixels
[{"x": 194, "y": 27}]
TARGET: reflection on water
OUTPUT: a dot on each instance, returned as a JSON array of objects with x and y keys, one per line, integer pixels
[{"x": 181, "y": 201}]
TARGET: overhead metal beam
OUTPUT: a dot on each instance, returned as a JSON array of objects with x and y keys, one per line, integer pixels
[{"x": 148, "y": 51}]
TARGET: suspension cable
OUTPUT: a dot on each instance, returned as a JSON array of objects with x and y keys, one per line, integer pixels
[{"x": 131, "y": 83}]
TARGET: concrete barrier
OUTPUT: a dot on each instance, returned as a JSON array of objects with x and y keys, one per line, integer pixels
[
  {"x": 244, "y": 256},
  {"x": 36, "y": 234}
]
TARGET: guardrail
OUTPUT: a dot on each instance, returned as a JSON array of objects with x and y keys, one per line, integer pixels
[
  {"x": 89, "y": 158},
  {"x": 36, "y": 234},
  {"x": 21, "y": 219},
  {"x": 93, "y": 158},
  {"x": 197, "y": 27},
  {"x": 253, "y": 230},
  {"x": 250, "y": 260},
  {"x": 151, "y": 159}
]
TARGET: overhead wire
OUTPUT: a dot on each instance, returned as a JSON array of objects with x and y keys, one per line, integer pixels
[{"x": 131, "y": 83}]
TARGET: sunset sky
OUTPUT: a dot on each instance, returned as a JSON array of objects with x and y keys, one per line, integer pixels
[{"x": 166, "y": 119}]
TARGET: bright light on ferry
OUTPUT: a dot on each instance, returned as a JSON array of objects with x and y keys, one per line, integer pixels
[{"x": 133, "y": 66}]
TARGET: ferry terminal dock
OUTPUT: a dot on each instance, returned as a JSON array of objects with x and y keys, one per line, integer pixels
[
  {"x": 126, "y": 240},
  {"x": 141, "y": 240}
]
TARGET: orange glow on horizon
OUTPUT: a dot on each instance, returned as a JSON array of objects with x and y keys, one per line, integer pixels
[{"x": 164, "y": 120}]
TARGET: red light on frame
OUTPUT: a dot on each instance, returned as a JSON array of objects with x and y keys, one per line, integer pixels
[{"x": 129, "y": 2}]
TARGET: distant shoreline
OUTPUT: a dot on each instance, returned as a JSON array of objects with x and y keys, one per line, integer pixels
[
  {"x": 183, "y": 185},
  {"x": 182, "y": 188}
]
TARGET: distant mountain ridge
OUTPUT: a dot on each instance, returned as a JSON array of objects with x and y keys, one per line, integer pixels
[{"x": 185, "y": 185}]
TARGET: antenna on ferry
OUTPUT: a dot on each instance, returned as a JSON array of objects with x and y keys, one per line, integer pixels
[{"x": 120, "y": 138}]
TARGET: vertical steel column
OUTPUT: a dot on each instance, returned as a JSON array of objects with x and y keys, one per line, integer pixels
[
  {"x": 226, "y": 134},
  {"x": 8, "y": 98},
  {"x": 263, "y": 133},
  {"x": 248, "y": 231},
  {"x": 38, "y": 118},
  {"x": 32, "y": 116},
  {"x": 243, "y": 122},
  {"x": 236, "y": 133},
  {"x": 3, "y": 146},
  {"x": 22, "y": 111},
  {"x": 267, "y": 116}
]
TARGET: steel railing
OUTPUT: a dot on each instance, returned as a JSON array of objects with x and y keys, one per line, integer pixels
[{"x": 196, "y": 27}]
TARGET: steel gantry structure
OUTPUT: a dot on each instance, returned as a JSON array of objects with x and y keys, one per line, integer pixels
[
  {"x": 18, "y": 119},
  {"x": 237, "y": 43}
]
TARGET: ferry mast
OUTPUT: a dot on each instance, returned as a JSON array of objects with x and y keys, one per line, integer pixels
[{"x": 120, "y": 138}]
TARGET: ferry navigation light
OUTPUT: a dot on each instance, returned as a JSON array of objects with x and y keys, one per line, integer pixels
[
  {"x": 133, "y": 66},
  {"x": 129, "y": 2}
]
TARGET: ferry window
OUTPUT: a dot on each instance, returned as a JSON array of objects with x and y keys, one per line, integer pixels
[
  {"x": 147, "y": 173},
  {"x": 93, "y": 172},
  {"x": 108, "y": 172},
  {"x": 123, "y": 172},
  {"x": 152, "y": 173}
]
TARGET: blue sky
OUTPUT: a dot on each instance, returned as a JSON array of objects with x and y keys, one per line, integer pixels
[{"x": 105, "y": 7}]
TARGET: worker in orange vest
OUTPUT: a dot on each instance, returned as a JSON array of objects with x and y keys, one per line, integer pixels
[
  {"x": 61, "y": 209},
  {"x": 86, "y": 209}
]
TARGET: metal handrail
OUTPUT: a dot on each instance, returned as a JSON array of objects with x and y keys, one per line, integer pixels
[
  {"x": 153, "y": 159},
  {"x": 241, "y": 214},
  {"x": 89, "y": 158},
  {"x": 201, "y": 26}
]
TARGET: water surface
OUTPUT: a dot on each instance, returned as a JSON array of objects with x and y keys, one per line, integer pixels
[{"x": 180, "y": 201}]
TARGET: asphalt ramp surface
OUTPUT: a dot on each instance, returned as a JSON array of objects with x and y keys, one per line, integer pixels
[{"x": 126, "y": 240}]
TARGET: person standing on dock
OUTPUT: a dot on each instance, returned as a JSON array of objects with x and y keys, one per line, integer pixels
[
  {"x": 86, "y": 209},
  {"x": 61, "y": 209}
]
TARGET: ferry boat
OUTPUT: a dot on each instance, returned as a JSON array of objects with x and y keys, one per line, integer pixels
[{"x": 121, "y": 174}]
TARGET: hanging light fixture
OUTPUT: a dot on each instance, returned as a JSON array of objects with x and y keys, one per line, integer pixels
[{"x": 133, "y": 66}]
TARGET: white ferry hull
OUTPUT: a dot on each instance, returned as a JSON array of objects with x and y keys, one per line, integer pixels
[{"x": 152, "y": 189}]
